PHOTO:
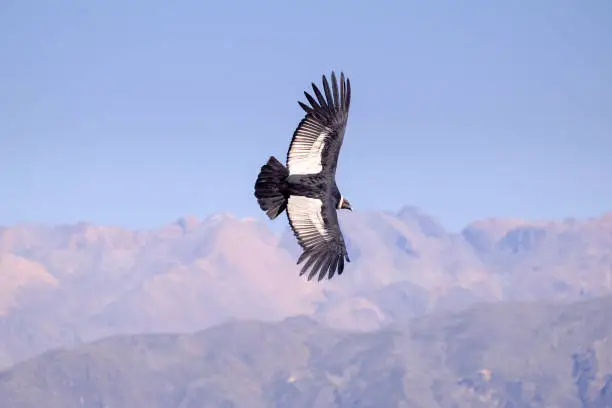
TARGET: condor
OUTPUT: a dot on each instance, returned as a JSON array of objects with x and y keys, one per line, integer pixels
[{"x": 307, "y": 188}]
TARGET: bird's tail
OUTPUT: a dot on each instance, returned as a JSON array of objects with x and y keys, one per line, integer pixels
[{"x": 270, "y": 188}]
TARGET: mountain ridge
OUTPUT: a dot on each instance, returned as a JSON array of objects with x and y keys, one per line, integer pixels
[
  {"x": 480, "y": 357},
  {"x": 83, "y": 281}
]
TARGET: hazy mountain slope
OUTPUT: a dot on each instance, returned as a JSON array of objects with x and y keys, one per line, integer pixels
[
  {"x": 17, "y": 273},
  {"x": 546, "y": 258},
  {"x": 505, "y": 355},
  {"x": 65, "y": 284}
]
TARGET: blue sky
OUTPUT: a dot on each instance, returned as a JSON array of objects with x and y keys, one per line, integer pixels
[{"x": 135, "y": 113}]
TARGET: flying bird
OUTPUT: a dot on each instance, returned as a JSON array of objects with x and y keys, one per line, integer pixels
[{"x": 306, "y": 188}]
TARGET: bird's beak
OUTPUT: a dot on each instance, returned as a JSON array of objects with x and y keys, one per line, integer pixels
[{"x": 347, "y": 205}]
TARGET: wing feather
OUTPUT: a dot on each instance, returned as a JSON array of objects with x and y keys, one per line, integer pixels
[
  {"x": 311, "y": 101},
  {"x": 322, "y": 101},
  {"x": 335, "y": 89}
]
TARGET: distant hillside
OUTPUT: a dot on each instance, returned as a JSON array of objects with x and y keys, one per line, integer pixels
[
  {"x": 503, "y": 355},
  {"x": 67, "y": 284}
]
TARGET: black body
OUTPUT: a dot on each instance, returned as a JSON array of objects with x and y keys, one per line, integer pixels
[{"x": 321, "y": 186}]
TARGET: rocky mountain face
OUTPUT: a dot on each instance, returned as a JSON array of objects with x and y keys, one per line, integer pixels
[
  {"x": 506, "y": 354},
  {"x": 64, "y": 285}
]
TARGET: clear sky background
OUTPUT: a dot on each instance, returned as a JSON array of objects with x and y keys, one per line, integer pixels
[{"x": 135, "y": 113}]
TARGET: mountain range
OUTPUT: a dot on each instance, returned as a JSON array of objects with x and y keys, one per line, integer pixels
[
  {"x": 502, "y": 355},
  {"x": 69, "y": 284}
]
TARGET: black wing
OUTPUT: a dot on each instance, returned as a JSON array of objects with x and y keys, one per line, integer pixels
[
  {"x": 315, "y": 225},
  {"x": 318, "y": 138}
]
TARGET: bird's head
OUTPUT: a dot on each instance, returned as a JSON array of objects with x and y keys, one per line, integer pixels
[{"x": 344, "y": 204}]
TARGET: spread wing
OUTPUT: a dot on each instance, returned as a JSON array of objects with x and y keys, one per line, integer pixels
[
  {"x": 318, "y": 138},
  {"x": 315, "y": 225}
]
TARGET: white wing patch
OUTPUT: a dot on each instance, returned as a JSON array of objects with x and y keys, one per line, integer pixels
[
  {"x": 306, "y": 217},
  {"x": 305, "y": 154}
]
